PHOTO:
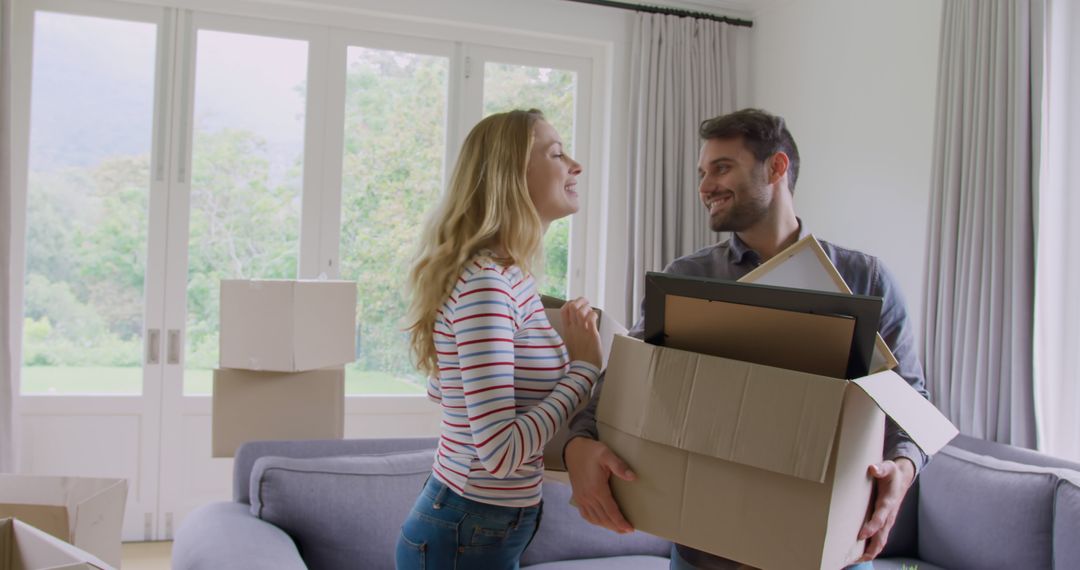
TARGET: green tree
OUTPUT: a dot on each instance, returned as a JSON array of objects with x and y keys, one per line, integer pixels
[
  {"x": 241, "y": 227},
  {"x": 392, "y": 175},
  {"x": 552, "y": 91}
]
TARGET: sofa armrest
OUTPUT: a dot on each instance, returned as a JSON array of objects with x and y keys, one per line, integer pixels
[{"x": 225, "y": 535}]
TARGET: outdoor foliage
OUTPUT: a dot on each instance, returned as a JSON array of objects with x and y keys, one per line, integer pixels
[{"x": 87, "y": 225}]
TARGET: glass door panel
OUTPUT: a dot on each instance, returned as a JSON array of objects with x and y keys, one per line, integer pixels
[
  {"x": 87, "y": 221},
  {"x": 509, "y": 86},
  {"x": 395, "y": 141},
  {"x": 246, "y": 177}
]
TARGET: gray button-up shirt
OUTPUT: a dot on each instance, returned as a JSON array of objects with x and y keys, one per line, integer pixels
[{"x": 864, "y": 274}]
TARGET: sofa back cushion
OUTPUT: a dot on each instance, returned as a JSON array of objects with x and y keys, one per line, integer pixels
[
  {"x": 564, "y": 535},
  {"x": 249, "y": 452},
  {"x": 342, "y": 512},
  {"x": 1067, "y": 523},
  {"x": 980, "y": 512}
]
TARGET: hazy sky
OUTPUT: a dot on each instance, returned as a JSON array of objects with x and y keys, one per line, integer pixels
[{"x": 93, "y": 88}]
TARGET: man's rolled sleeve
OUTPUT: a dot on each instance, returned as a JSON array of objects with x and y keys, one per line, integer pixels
[{"x": 896, "y": 331}]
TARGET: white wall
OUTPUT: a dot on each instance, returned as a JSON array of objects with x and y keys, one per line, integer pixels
[{"x": 856, "y": 79}]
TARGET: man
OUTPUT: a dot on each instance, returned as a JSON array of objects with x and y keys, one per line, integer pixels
[{"x": 748, "y": 168}]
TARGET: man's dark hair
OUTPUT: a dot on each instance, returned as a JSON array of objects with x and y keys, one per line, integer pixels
[{"x": 762, "y": 132}]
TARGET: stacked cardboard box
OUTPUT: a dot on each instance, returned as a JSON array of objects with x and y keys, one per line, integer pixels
[
  {"x": 760, "y": 464},
  {"x": 282, "y": 352}
]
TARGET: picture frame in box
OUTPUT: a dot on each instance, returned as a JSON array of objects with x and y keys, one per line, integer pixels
[{"x": 813, "y": 331}]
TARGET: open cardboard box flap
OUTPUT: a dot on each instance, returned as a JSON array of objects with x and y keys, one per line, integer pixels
[
  {"x": 923, "y": 422},
  {"x": 24, "y": 547},
  {"x": 84, "y": 511}
]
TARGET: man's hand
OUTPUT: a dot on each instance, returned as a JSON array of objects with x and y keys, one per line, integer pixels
[
  {"x": 591, "y": 465},
  {"x": 893, "y": 479}
]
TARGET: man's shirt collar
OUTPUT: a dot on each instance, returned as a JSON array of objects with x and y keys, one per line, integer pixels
[{"x": 739, "y": 252}]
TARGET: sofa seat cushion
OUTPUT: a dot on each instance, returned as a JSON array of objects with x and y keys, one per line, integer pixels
[
  {"x": 903, "y": 564},
  {"x": 342, "y": 512},
  {"x": 976, "y": 511},
  {"x": 1067, "y": 523},
  {"x": 564, "y": 535},
  {"x": 611, "y": 563}
]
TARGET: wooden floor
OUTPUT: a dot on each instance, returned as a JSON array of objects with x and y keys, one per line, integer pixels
[{"x": 146, "y": 555}]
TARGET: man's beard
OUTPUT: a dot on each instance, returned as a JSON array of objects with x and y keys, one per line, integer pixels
[{"x": 745, "y": 213}]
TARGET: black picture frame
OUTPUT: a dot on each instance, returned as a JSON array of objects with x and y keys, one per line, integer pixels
[{"x": 866, "y": 310}]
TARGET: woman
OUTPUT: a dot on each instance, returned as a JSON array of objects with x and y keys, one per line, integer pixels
[{"x": 478, "y": 330}]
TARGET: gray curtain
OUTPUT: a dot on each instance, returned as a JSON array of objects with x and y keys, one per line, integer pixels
[
  {"x": 683, "y": 71},
  {"x": 8, "y": 385},
  {"x": 1057, "y": 276},
  {"x": 979, "y": 287}
]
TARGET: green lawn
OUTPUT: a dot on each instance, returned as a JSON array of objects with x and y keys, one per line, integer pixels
[{"x": 63, "y": 380}]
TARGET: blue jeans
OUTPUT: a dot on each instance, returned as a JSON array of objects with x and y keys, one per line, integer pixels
[
  {"x": 448, "y": 531},
  {"x": 677, "y": 563}
]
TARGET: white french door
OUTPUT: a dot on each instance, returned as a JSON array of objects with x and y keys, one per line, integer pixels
[
  {"x": 160, "y": 150},
  {"x": 247, "y": 119},
  {"x": 91, "y": 79}
]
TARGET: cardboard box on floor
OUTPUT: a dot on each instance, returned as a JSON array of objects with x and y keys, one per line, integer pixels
[
  {"x": 86, "y": 512},
  {"x": 762, "y": 465},
  {"x": 23, "y": 547},
  {"x": 609, "y": 328},
  {"x": 287, "y": 326},
  {"x": 254, "y": 405}
]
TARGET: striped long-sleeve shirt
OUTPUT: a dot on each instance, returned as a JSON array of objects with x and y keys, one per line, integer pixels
[{"x": 505, "y": 385}]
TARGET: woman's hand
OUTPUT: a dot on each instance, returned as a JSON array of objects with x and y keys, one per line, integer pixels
[{"x": 580, "y": 335}]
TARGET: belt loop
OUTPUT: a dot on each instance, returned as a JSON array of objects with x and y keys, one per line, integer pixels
[
  {"x": 520, "y": 516},
  {"x": 439, "y": 497}
]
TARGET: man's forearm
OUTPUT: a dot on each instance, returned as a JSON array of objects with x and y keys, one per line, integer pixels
[
  {"x": 898, "y": 444},
  {"x": 583, "y": 424}
]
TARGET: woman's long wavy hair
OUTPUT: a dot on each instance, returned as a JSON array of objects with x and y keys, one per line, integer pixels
[{"x": 487, "y": 205}]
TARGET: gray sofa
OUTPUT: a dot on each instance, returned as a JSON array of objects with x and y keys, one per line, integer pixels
[
  {"x": 986, "y": 505},
  {"x": 339, "y": 504}
]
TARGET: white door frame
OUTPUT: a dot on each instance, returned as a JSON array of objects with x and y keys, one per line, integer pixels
[
  {"x": 51, "y": 418},
  {"x": 189, "y": 475}
]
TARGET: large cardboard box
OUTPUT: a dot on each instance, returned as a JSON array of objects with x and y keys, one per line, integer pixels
[
  {"x": 763, "y": 465},
  {"x": 83, "y": 511},
  {"x": 287, "y": 326},
  {"x": 251, "y": 405},
  {"x": 608, "y": 328},
  {"x": 23, "y": 547}
]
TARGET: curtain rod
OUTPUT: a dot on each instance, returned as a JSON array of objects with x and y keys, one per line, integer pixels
[{"x": 667, "y": 11}]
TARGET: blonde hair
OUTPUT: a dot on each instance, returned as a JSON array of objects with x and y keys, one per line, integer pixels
[{"x": 486, "y": 205}]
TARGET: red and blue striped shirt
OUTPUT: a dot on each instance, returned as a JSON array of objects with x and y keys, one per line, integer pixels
[{"x": 505, "y": 385}]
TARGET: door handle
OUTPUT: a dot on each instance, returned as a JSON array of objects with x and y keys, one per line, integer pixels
[
  {"x": 173, "y": 356},
  {"x": 153, "y": 343}
]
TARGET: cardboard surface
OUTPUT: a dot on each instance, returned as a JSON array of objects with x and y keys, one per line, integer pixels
[
  {"x": 819, "y": 344},
  {"x": 762, "y": 465},
  {"x": 23, "y": 547},
  {"x": 287, "y": 326},
  {"x": 251, "y": 405},
  {"x": 806, "y": 266},
  {"x": 85, "y": 512},
  {"x": 608, "y": 328},
  {"x": 928, "y": 427}
]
